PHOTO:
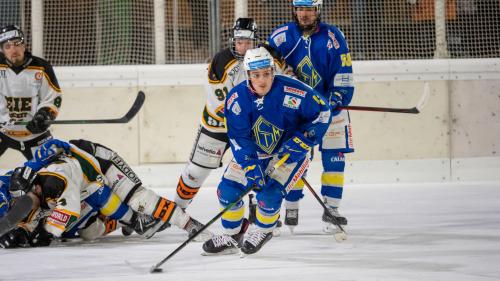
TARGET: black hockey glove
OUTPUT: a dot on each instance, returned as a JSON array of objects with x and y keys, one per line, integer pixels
[
  {"x": 37, "y": 125},
  {"x": 40, "y": 237},
  {"x": 17, "y": 237}
]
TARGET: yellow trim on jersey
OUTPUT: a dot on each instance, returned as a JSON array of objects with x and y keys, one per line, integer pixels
[
  {"x": 234, "y": 215},
  {"x": 111, "y": 206},
  {"x": 266, "y": 219},
  {"x": 229, "y": 64},
  {"x": 57, "y": 89},
  {"x": 56, "y": 225},
  {"x": 4, "y": 65},
  {"x": 332, "y": 179}
]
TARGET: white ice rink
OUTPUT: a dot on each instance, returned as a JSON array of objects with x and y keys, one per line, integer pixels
[{"x": 446, "y": 231}]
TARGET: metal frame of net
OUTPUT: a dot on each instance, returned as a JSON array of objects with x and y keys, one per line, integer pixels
[{"x": 104, "y": 32}]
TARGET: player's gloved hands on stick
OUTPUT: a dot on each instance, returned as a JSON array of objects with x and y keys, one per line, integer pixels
[
  {"x": 37, "y": 125},
  {"x": 335, "y": 103},
  {"x": 255, "y": 176},
  {"x": 297, "y": 147}
]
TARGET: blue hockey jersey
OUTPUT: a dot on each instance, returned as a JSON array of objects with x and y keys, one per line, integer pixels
[
  {"x": 321, "y": 60},
  {"x": 4, "y": 194},
  {"x": 258, "y": 126}
]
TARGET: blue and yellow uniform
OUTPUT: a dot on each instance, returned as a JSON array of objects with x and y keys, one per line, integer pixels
[
  {"x": 257, "y": 129},
  {"x": 322, "y": 60}
]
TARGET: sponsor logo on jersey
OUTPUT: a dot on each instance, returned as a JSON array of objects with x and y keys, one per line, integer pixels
[
  {"x": 343, "y": 80},
  {"x": 236, "y": 109},
  {"x": 295, "y": 91},
  {"x": 267, "y": 135},
  {"x": 284, "y": 28},
  {"x": 279, "y": 39},
  {"x": 231, "y": 99},
  {"x": 123, "y": 166},
  {"x": 334, "y": 40},
  {"x": 291, "y": 102},
  {"x": 60, "y": 217},
  {"x": 259, "y": 103},
  {"x": 38, "y": 75}
]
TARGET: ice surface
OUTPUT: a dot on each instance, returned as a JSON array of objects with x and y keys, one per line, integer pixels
[{"x": 445, "y": 231}]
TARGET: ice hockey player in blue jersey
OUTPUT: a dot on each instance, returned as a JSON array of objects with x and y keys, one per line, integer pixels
[
  {"x": 268, "y": 116},
  {"x": 319, "y": 56}
]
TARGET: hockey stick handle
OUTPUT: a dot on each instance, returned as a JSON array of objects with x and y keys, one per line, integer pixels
[
  {"x": 412, "y": 110},
  {"x": 134, "y": 109},
  {"x": 214, "y": 219},
  {"x": 321, "y": 203}
]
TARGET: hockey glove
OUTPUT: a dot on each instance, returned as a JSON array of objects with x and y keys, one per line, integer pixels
[
  {"x": 49, "y": 150},
  {"x": 40, "y": 237},
  {"x": 37, "y": 125},
  {"x": 335, "y": 103},
  {"x": 297, "y": 147},
  {"x": 17, "y": 237},
  {"x": 255, "y": 176}
]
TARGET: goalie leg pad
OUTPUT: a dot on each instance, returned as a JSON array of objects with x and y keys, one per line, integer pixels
[{"x": 338, "y": 136}]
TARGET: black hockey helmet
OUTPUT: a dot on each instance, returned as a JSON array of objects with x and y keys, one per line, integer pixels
[
  {"x": 243, "y": 28},
  {"x": 22, "y": 180},
  {"x": 10, "y": 32}
]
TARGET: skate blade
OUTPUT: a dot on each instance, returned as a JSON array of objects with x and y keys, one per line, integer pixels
[
  {"x": 276, "y": 232},
  {"x": 222, "y": 253},
  {"x": 292, "y": 229}
]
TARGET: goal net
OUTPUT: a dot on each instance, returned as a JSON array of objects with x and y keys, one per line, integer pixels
[{"x": 103, "y": 32}]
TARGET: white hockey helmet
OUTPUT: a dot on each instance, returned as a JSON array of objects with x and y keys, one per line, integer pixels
[{"x": 258, "y": 58}]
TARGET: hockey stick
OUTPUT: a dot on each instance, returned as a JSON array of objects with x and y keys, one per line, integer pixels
[
  {"x": 134, "y": 109},
  {"x": 414, "y": 110},
  {"x": 339, "y": 236},
  {"x": 156, "y": 268}
]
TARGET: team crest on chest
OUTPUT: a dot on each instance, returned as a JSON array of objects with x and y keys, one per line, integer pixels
[
  {"x": 266, "y": 134},
  {"x": 307, "y": 73}
]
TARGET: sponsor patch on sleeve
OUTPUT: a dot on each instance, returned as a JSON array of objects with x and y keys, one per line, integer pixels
[
  {"x": 231, "y": 99},
  {"x": 279, "y": 39},
  {"x": 343, "y": 80},
  {"x": 295, "y": 91},
  {"x": 281, "y": 29},
  {"x": 291, "y": 102}
]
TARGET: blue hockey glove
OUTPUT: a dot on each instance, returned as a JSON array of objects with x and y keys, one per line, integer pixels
[
  {"x": 335, "y": 103},
  {"x": 255, "y": 176},
  {"x": 47, "y": 152},
  {"x": 4, "y": 203},
  {"x": 297, "y": 147}
]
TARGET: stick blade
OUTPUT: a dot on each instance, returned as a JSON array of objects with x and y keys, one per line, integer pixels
[
  {"x": 425, "y": 97},
  {"x": 136, "y": 106}
]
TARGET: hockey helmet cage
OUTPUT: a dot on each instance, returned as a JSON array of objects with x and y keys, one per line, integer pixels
[
  {"x": 21, "y": 181},
  {"x": 258, "y": 58},
  {"x": 10, "y": 32}
]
